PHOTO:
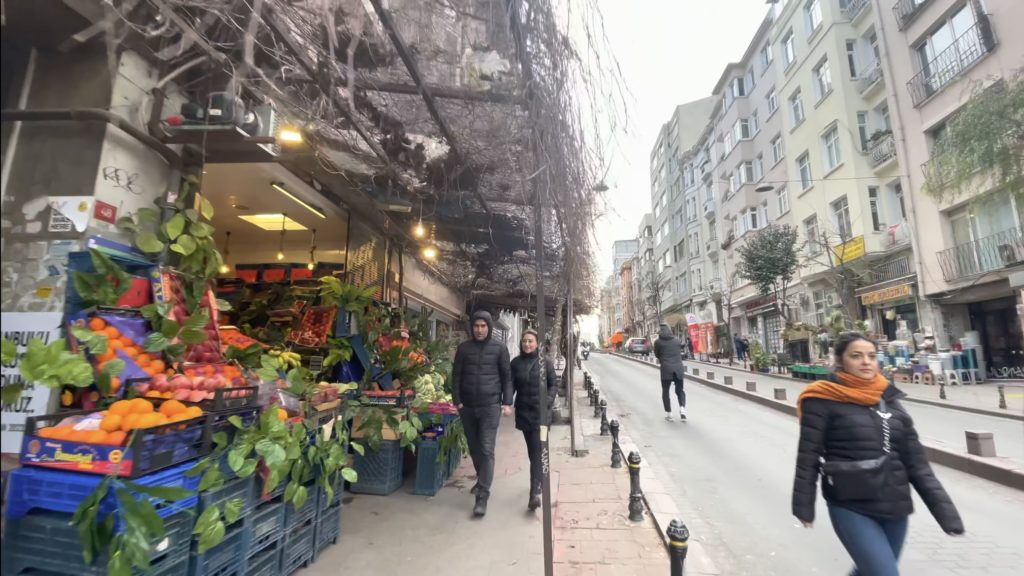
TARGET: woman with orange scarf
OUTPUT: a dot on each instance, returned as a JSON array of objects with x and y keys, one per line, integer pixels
[{"x": 856, "y": 435}]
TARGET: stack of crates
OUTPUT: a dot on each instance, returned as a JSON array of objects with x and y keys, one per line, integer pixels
[
  {"x": 39, "y": 537},
  {"x": 328, "y": 518},
  {"x": 265, "y": 530},
  {"x": 228, "y": 557},
  {"x": 299, "y": 533}
]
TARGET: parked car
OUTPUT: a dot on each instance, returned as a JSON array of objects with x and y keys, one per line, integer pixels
[{"x": 638, "y": 346}]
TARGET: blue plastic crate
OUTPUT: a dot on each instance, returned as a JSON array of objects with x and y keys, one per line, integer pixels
[
  {"x": 82, "y": 262},
  {"x": 47, "y": 542},
  {"x": 170, "y": 566},
  {"x": 224, "y": 559},
  {"x": 296, "y": 516},
  {"x": 298, "y": 549},
  {"x": 328, "y": 530},
  {"x": 322, "y": 503},
  {"x": 268, "y": 561},
  {"x": 58, "y": 491},
  {"x": 380, "y": 471},
  {"x": 241, "y": 488},
  {"x": 430, "y": 473},
  {"x": 454, "y": 459},
  {"x": 264, "y": 527}
]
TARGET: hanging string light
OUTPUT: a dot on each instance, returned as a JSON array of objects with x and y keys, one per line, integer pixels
[
  {"x": 224, "y": 268},
  {"x": 280, "y": 247},
  {"x": 431, "y": 251},
  {"x": 312, "y": 249},
  {"x": 419, "y": 230}
]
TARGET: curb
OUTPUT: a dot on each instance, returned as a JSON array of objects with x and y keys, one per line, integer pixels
[{"x": 1000, "y": 472}]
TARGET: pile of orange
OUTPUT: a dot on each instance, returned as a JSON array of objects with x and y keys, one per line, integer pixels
[
  {"x": 116, "y": 341},
  {"x": 122, "y": 418},
  {"x": 228, "y": 370}
]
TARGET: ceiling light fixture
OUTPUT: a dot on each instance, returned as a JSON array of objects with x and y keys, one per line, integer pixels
[
  {"x": 272, "y": 222},
  {"x": 312, "y": 249},
  {"x": 280, "y": 188},
  {"x": 224, "y": 268},
  {"x": 431, "y": 251},
  {"x": 290, "y": 135},
  {"x": 280, "y": 246}
]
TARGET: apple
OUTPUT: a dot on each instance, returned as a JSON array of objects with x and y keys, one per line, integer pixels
[{"x": 197, "y": 396}]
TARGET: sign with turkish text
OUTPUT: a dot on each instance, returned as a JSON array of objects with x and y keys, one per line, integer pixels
[
  {"x": 21, "y": 327},
  {"x": 849, "y": 251},
  {"x": 886, "y": 294}
]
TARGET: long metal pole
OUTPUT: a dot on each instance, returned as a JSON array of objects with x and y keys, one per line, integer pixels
[
  {"x": 570, "y": 349},
  {"x": 545, "y": 414}
]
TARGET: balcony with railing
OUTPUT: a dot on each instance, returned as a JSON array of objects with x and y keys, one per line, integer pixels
[
  {"x": 966, "y": 51},
  {"x": 870, "y": 77},
  {"x": 987, "y": 254},
  {"x": 907, "y": 10},
  {"x": 709, "y": 209},
  {"x": 853, "y": 8},
  {"x": 882, "y": 150},
  {"x": 897, "y": 235},
  {"x": 891, "y": 270}
]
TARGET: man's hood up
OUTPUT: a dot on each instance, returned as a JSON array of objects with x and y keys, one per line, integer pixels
[
  {"x": 665, "y": 333},
  {"x": 486, "y": 317}
]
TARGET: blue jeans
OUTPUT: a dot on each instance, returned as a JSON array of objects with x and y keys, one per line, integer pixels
[{"x": 874, "y": 545}]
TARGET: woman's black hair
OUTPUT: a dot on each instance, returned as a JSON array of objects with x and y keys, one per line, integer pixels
[{"x": 844, "y": 341}]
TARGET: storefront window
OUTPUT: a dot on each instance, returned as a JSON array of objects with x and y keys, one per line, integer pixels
[{"x": 773, "y": 336}]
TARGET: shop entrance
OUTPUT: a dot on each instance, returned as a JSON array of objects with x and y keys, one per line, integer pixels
[
  {"x": 891, "y": 316},
  {"x": 1001, "y": 336}
]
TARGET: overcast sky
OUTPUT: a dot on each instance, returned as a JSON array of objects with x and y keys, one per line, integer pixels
[{"x": 671, "y": 52}]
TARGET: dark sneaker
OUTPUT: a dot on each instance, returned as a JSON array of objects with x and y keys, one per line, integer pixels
[
  {"x": 475, "y": 489},
  {"x": 534, "y": 502},
  {"x": 480, "y": 510}
]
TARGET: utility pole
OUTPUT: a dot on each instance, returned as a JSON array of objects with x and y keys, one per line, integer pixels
[
  {"x": 545, "y": 414},
  {"x": 570, "y": 348}
]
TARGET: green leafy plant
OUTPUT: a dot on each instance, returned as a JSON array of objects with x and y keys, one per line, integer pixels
[
  {"x": 248, "y": 357},
  {"x": 106, "y": 285},
  {"x": 334, "y": 292},
  {"x": 171, "y": 337},
  {"x": 769, "y": 260},
  {"x": 97, "y": 344},
  {"x": 758, "y": 357},
  {"x": 51, "y": 365},
  {"x": 131, "y": 548},
  {"x": 340, "y": 350}
]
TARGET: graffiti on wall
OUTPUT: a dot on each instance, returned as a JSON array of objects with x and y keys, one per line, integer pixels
[{"x": 1005, "y": 372}]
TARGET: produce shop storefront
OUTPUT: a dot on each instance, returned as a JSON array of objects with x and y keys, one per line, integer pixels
[{"x": 889, "y": 306}]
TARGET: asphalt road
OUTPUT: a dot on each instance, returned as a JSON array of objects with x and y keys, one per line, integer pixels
[{"x": 730, "y": 468}]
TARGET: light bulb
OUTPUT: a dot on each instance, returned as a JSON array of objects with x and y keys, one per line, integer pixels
[
  {"x": 280, "y": 255},
  {"x": 311, "y": 265},
  {"x": 224, "y": 269},
  {"x": 430, "y": 252},
  {"x": 419, "y": 231}
]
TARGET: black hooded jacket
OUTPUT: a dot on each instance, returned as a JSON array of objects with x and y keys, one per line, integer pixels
[
  {"x": 526, "y": 380},
  {"x": 481, "y": 375},
  {"x": 669, "y": 352},
  {"x": 843, "y": 431}
]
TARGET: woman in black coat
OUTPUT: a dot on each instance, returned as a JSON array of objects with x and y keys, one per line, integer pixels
[
  {"x": 855, "y": 434},
  {"x": 526, "y": 373}
]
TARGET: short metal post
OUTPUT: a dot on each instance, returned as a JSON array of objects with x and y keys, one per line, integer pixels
[
  {"x": 780, "y": 394},
  {"x": 636, "y": 505},
  {"x": 728, "y": 380},
  {"x": 678, "y": 544},
  {"x": 942, "y": 388},
  {"x": 751, "y": 386},
  {"x": 591, "y": 396},
  {"x": 597, "y": 404},
  {"x": 604, "y": 417},
  {"x": 711, "y": 375},
  {"x": 616, "y": 450},
  {"x": 1002, "y": 397}
]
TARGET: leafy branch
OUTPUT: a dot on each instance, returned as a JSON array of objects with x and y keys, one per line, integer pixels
[
  {"x": 106, "y": 285},
  {"x": 52, "y": 365}
]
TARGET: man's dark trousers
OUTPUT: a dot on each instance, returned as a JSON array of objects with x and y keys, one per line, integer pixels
[{"x": 481, "y": 426}]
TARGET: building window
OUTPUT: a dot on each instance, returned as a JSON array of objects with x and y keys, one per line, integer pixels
[
  {"x": 712, "y": 231},
  {"x": 953, "y": 32},
  {"x": 876, "y": 217},
  {"x": 862, "y": 130},
  {"x": 766, "y": 57},
  {"x": 777, "y": 152},
  {"x": 739, "y": 87},
  {"x": 682, "y": 283},
  {"x": 898, "y": 192},
  {"x": 758, "y": 167},
  {"x": 698, "y": 279},
  {"x": 709, "y": 193},
  {"x": 782, "y": 200},
  {"x": 694, "y": 244},
  {"x": 750, "y": 218},
  {"x": 813, "y": 238},
  {"x": 688, "y": 176},
  {"x": 773, "y": 102},
  {"x": 744, "y": 129},
  {"x": 820, "y": 305},
  {"x": 796, "y": 108},
  {"x": 833, "y": 155},
  {"x": 851, "y": 57},
  {"x": 883, "y": 112},
  {"x": 731, "y": 182},
  {"x": 746, "y": 171},
  {"x": 841, "y": 216},
  {"x": 803, "y": 167},
  {"x": 812, "y": 12},
  {"x": 691, "y": 209},
  {"x": 822, "y": 79},
  {"x": 788, "y": 49},
  {"x": 729, "y": 141}
]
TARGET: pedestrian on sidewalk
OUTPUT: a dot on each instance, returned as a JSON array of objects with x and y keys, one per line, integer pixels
[
  {"x": 482, "y": 390},
  {"x": 526, "y": 378},
  {"x": 855, "y": 433},
  {"x": 669, "y": 352}
]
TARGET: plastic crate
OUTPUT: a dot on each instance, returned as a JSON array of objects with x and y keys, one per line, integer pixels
[
  {"x": 245, "y": 397},
  {"x": 328, "y": 529},
  {"x": 296, "y": 516},
  {"x": 298, "y": 548},
  {"x": 57, "y": 491},
  {"x": 380, "y": 471},
  {"x": 430, "y": 473},
  {"x": 224, "y": 559},
  {"x": 148, "y": 450},
  {"x": 241, "y": 488},
  {"x": 82, "y": 262},
  {"x": 264, "y": 527},
  {"x": 47, "y": 542},
  {"x": 267, "y": 562},
  {"x": 454, "y": 459},
  {"x": 322, "y": 503}
]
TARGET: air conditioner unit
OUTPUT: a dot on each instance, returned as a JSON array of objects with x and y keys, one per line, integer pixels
[{"x": 267, "y": 124}]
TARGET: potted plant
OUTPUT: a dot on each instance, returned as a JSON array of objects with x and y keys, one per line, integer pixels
[{"x": 759, "y": 360}]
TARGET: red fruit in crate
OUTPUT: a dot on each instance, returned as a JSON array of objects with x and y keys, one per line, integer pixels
[
  {"x": 196, "y": 396},
  {"x": 182, "y": 394},
  {"x": 210, "y": 395},
  {"x": 199, "y": 383},
  {"x": 142, "y": 388},
  {"x": 210, "y": 357},
  {"x": 181, "y": 381}
]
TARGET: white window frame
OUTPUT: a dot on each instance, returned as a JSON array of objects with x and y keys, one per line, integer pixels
[
  {"x": 812, "y": 17},
  {"x": 803, "y": 163},
  {"x": 773, "y": 102},
  {"x": 782, "y": 200},
  {"x": 874, "y": 205},
  {"x": 796, "y": 108},
  {"x": 746, "y": 172},
  {"x": 841, "y": 218},
  {"x": 831, "y": 149},
  {"x": 766, "y": 57},
  {"x": 822, "y": 79},
  {"x": 812, "y": 233},
  {"x": 788, "y": 48},
  {"x": 863, "y": 132},
  {"x": 778, "y": 151},
  {"x": 851, "y": 58}
]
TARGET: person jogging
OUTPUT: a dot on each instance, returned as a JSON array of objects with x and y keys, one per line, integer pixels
[{"x": 669, "y": 352}]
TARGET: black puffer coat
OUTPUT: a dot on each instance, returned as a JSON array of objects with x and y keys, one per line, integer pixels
[
  {"x": 669, "y": 352},
  {"x": 481, "y": 374},
  {"x": 843, "y": 431},
  {"x": 526, "y": 381}
]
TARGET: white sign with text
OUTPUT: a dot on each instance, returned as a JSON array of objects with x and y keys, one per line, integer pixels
[{"x": 21, "y": 327}]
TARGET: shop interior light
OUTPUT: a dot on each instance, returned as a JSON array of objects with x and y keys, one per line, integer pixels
[
  {"x": 224, "y": 268},
  {"x": 272, "y": 222},
  {"x": 280, "y": 188},
  {"x": 289, "y": 135},
  {"x": 430, "y": 253},
  {"x": 312, "y": 251},
  {"x": 280, "y": 246},
  {"x": 418, "y": 230}
]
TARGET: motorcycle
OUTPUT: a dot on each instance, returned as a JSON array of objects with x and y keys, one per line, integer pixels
[{"x": 586, "y": 354}]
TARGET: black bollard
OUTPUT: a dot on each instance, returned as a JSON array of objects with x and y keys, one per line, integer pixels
[
  {"x": 942, "y": 389},
  {"x": 590, "y": 395},
  {"x": 604, "y": 417},
  {"x": 1002, "y": 397},
  {"x": 636, "y": 505},
  {"x": 616, "y": 450},
  {"x": 597, "y": 404},
  {"x": 678, "y": 544}
]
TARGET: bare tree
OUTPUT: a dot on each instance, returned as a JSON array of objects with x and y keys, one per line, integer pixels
[
  {"x": 832, "y": 250},
  {"x": 726, "y": 297},
  {"x": 655, "y": 294}
]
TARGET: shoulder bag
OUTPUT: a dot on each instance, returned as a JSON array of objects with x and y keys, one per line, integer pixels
[{"x": 849, "y": 480}]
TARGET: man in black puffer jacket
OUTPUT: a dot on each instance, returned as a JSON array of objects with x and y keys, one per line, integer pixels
[{"x": 482, "y": 389}]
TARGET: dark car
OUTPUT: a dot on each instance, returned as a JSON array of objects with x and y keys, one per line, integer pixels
[{"x": 638, "y": 346}]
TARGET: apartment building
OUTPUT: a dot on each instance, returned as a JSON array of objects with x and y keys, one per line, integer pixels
[
  {"x": 622, "y": 252},
  {"x": 968, "y": 249},
  {"x": 608, "y": 325}
]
